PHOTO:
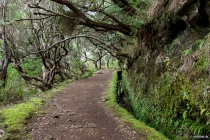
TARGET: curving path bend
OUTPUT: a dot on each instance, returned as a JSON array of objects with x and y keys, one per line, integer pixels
[{"x": 79, "y": 113}]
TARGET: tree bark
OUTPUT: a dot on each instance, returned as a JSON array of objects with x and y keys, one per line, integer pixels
[
  {"x": 7, "y": 50},
  {"x": 96, "y": 65}
]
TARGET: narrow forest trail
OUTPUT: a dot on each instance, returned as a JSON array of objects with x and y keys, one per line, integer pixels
[{"x": 79, "y": 113}]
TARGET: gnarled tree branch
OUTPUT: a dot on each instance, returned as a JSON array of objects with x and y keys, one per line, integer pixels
[{"x": 92, "y": 24}]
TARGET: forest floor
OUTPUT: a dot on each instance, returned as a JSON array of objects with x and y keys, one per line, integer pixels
[{"x": 79, "y": 113}]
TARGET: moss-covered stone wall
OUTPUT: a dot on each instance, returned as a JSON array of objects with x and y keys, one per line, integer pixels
[
  {"x": 170, "y": 90},
  {"x": 169, "y": 75}
]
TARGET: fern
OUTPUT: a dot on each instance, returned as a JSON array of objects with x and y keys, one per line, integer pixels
[{"x": 196, "y": 127}]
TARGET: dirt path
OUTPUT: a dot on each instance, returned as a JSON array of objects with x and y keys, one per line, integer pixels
[{"x": 78, "y": 113}]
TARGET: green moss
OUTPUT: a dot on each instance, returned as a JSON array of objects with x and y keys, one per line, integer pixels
[{"x": 16, "y": 116}]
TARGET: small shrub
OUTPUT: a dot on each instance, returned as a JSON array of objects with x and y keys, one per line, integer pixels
[{"x": 15, "y": 89}]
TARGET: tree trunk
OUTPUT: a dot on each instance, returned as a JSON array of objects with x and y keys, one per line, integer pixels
[
  {"x": 39, "y": 83},
  {"x": 100, "y": 63},
  {"x": 66, "y": 74},
  {"x": 7, "y": 51},
  {"x": 62, "y": 78},
  {"x": 107, "y": 63},
  {"x": 96, "y": 65},
  {"x": 44, "y": 73}
]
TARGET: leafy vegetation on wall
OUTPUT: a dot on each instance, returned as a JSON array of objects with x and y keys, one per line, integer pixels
[{"x": 171, "y": 93}]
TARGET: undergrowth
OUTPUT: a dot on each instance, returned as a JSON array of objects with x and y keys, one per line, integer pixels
[{"x": 16, "y": 89}]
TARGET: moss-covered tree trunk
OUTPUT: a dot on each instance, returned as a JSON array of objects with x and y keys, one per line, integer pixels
[{"x": 7, "y": 52}]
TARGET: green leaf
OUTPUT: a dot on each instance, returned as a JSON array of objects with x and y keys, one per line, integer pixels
[
  {"x": 186, "y": 52},
  {"x": 202, "y": 111},
  {"x": 200, "y": 128},
  {"x": 200, "y": 43},
  {"x": 207, "y": 113},
  {"x": 176, "y": 124},
  {"x": 184, "y": 115}
]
